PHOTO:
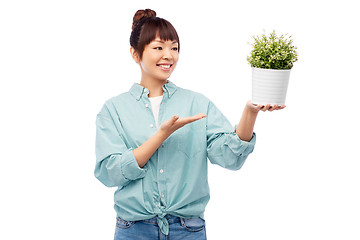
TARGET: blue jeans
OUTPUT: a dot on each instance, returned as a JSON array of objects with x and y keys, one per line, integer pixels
[{"x": 179, "y": 229}]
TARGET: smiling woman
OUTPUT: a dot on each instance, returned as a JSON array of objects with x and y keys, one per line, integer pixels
[
  {"x": 158, "y": 61},
  {"x": 145, "y": 147},
  {"x": 155, "y": 46}
]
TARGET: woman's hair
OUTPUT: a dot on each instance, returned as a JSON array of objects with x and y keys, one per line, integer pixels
[{"x": 146, "y": 27}]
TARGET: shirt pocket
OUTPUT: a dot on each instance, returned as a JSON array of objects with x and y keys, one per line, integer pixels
[{"x": 190, "y": 137}]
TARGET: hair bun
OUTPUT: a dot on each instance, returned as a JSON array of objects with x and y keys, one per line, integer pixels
[{"x": 142, "y": 14}]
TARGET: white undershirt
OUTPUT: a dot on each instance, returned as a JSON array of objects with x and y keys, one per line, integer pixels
[{"x": 155, "y": 106}]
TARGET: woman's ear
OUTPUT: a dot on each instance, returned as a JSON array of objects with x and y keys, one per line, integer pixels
[{"x": 134, "y": 55}]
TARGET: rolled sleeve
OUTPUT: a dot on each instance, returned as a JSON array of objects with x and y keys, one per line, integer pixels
[
  {"x": 239, "y": 147},
  {"x": 115, "y": 162},
  {"x": 225, "y": 148}
]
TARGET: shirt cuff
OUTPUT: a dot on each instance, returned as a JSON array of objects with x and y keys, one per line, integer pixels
[
  {"x": 239, "y": 147},
  {"x": 130, "y": 168}
]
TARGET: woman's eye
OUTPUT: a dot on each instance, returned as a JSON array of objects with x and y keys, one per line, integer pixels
[
  {"x": 175, "y": 48},
  {"x": 158, "y": 48}
]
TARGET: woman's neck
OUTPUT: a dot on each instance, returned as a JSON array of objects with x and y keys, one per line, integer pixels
[{"x": 154, "y": 86}]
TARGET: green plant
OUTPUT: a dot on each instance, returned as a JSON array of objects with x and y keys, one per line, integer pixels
[{"x": 272, "y": 52}]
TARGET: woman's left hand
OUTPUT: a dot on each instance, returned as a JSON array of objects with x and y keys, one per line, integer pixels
[{"x": 256, "y": 108}]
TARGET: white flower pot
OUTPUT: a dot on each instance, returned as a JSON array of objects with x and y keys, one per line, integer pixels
[{"x": 269, "y": 86}]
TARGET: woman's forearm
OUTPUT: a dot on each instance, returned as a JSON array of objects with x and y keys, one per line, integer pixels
[
  {"x": 147, "y": 149},
  {"x": 246, "y": 125}
]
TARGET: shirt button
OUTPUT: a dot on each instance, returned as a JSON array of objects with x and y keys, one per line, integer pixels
[
  {"x": 151, "y": 125},
  {"x": 163, "y": 196},
  {"x": 138, "y": 97},
  {"x": 169, "y": 93},
  {"x": 146, "y": 105},
  {"x": 161, "y": 171},
  {"x": 145, "y": 90}
]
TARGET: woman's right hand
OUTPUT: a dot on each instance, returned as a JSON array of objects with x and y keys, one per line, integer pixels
[
  {"x": 144, "y": 152},
  {"x": 175, "y": 123}
]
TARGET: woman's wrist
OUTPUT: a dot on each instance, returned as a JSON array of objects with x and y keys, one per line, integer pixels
[
  {"x": 246, "y": 125},
  {"x": 162, "y": 134},
  {"x": 251, "y": 108}
]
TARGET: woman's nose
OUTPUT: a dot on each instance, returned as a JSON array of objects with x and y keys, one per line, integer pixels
[{"x": 167, "y": 55}]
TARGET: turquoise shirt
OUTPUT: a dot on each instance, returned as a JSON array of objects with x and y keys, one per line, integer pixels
[{"x": 174, "y": 180}]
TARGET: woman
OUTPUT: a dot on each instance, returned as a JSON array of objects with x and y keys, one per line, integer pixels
[{"x": 153, "y": 142}]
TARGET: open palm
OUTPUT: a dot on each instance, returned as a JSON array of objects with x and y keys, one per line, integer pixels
[{"x": 174, "y": 123}]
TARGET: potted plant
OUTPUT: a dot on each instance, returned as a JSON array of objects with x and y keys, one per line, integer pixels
[{"x": 271, "y": 59}]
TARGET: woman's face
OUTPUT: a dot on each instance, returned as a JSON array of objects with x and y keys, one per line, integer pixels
[{"x": 159, "y": 59}]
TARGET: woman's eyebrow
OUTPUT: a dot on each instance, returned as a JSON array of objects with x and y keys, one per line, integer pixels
[{"x": 161, "y": 41}]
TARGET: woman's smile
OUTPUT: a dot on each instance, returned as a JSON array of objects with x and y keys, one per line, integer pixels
[{"x": 164, "y": 67}]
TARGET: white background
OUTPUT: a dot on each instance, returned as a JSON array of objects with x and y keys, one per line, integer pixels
[{"x": 61, "y": 60}]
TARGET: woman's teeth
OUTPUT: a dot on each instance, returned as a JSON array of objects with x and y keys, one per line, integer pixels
[{"x": 164, "y": 66}]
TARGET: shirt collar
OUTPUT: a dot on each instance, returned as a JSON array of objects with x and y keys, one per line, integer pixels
[{"x": 137, "y": 90}]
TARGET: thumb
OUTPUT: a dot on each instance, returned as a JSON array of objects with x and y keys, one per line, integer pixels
[{"x": 175, "y": 118}]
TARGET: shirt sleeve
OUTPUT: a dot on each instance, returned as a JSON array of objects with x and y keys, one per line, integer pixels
[
  {"x": 224, "y": 147},
  {"x": 115, "y": 162}
]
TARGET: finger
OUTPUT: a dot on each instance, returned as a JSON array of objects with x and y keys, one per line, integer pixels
[
  {"x": 272, "y": 108},
  {"x": 256, "y": 106},
  {"x": 195, "y": 117},
  {"x": 167, "y": 124},
  {"x": 172, "y": 120},
  {"x": 280, "y": 107},
  {"x": 199, "y": 116},
  {"x": 265, "y": 108},
  {"x": 251, "y": 105},
  {"x": 191, "y": 119}
]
